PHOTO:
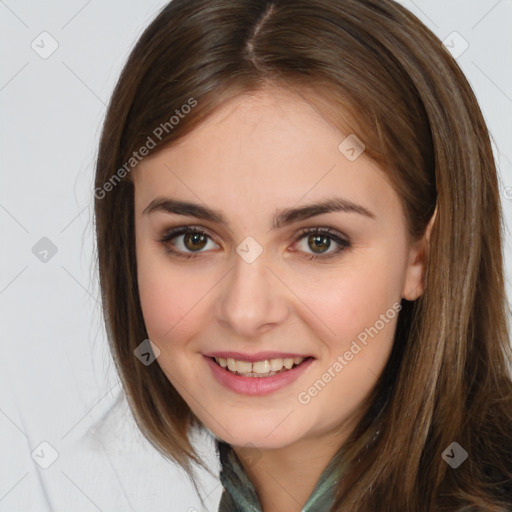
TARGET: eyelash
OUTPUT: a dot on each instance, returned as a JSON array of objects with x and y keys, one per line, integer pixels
[{"x": 343, "y": 243}]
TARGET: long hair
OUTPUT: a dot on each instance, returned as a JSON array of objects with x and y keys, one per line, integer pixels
[{"x": 448, "y": 377}]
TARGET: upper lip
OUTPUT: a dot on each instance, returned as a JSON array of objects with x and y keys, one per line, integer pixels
[{"x": 258, "y": 356}]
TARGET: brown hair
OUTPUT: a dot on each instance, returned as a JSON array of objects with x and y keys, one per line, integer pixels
[{"x": 448, "y": 377}]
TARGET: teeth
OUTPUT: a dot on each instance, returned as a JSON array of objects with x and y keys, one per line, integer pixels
[
  {"x": 276, "y": 364},
  {"x": 268, "y": 367},
  {"x": 288, "y": 363},
  {"x": 257, "y": 367},
  {"x": 243, "y": 366}
]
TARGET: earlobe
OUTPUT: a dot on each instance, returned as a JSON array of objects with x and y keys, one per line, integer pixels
[{"x": 414, "y": 285}]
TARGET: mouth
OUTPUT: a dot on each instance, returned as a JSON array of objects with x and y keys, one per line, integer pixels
[
  {"x": 259, "y": 369},
  {"x": 258, "y": 377}
]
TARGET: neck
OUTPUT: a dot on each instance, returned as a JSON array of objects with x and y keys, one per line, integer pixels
[{"x": 284, "y": 478}]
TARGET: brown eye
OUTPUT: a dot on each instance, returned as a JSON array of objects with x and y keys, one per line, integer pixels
[
  {"x": 185, "y": 241},
  {"x": 195, "y": 241},
  {"x": 319, "y": 243}
]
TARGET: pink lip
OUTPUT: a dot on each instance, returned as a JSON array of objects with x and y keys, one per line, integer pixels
[
  {"x": 258, "y": 356},
  {"x": 254, "y": 386}
]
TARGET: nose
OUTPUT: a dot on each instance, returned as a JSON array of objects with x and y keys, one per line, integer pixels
[{"x": 252, "y": 299}]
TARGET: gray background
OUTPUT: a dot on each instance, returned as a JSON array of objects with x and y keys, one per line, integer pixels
[{"x": 57, "y": 383}]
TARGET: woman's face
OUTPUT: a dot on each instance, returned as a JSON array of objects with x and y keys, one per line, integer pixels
[{"x": 250, "y": 285}]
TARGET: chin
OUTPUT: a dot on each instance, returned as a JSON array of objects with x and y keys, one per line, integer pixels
[{"x": 256, "y": 436}]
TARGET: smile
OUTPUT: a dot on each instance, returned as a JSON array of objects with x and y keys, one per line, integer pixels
[
  {"x": 257, "y": 378},
  {"x": 265, "y": 368}
]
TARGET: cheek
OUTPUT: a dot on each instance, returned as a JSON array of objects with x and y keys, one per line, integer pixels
[
  {"x": 355, "y": 297},
  {"x": 360, "y": 312},
  {"x": 170, "y": 298},
  {"x": 174, "y": 316},
  {"x": 356, "y": 320}
]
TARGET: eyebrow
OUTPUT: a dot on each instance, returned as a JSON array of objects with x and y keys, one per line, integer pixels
[{"x": 281, "y": 218}]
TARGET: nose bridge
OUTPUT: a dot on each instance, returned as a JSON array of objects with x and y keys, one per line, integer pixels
[{"x": 252, "y": 298}]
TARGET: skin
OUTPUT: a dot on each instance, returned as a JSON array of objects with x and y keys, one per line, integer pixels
[{"x": 258, "y": 154}]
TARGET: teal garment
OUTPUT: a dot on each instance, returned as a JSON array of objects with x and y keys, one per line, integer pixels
[{"x": 239, "y": 494}]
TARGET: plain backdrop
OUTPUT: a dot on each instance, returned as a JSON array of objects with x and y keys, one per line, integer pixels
[{"x": 59, "y": 394}]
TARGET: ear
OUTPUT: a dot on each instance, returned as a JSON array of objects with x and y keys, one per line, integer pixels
[{"x": 413, "y": 284}]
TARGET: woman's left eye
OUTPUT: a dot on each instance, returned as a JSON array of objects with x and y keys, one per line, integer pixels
[
  {"x": 320, "y": 238},
  {"x": 194, "y": 240}
]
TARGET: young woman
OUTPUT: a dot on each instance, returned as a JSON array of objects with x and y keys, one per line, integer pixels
[{"x": 299, "y": 243}]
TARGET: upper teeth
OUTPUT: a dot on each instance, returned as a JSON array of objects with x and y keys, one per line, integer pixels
[{"x": 265, "y": 366}]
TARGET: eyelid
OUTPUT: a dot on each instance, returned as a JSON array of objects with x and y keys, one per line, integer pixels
[
  {"x": 188, "y": 228},
  {"x": 323, "y": 230}
]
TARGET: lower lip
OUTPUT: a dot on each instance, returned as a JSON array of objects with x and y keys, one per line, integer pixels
[{"x": 256, "y": 386}]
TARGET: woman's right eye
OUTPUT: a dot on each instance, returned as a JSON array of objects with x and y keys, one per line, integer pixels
[{"x": 190, "y": 238}]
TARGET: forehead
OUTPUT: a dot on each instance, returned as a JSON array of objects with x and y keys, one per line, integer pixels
[{"x": 271, "y": 147}]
